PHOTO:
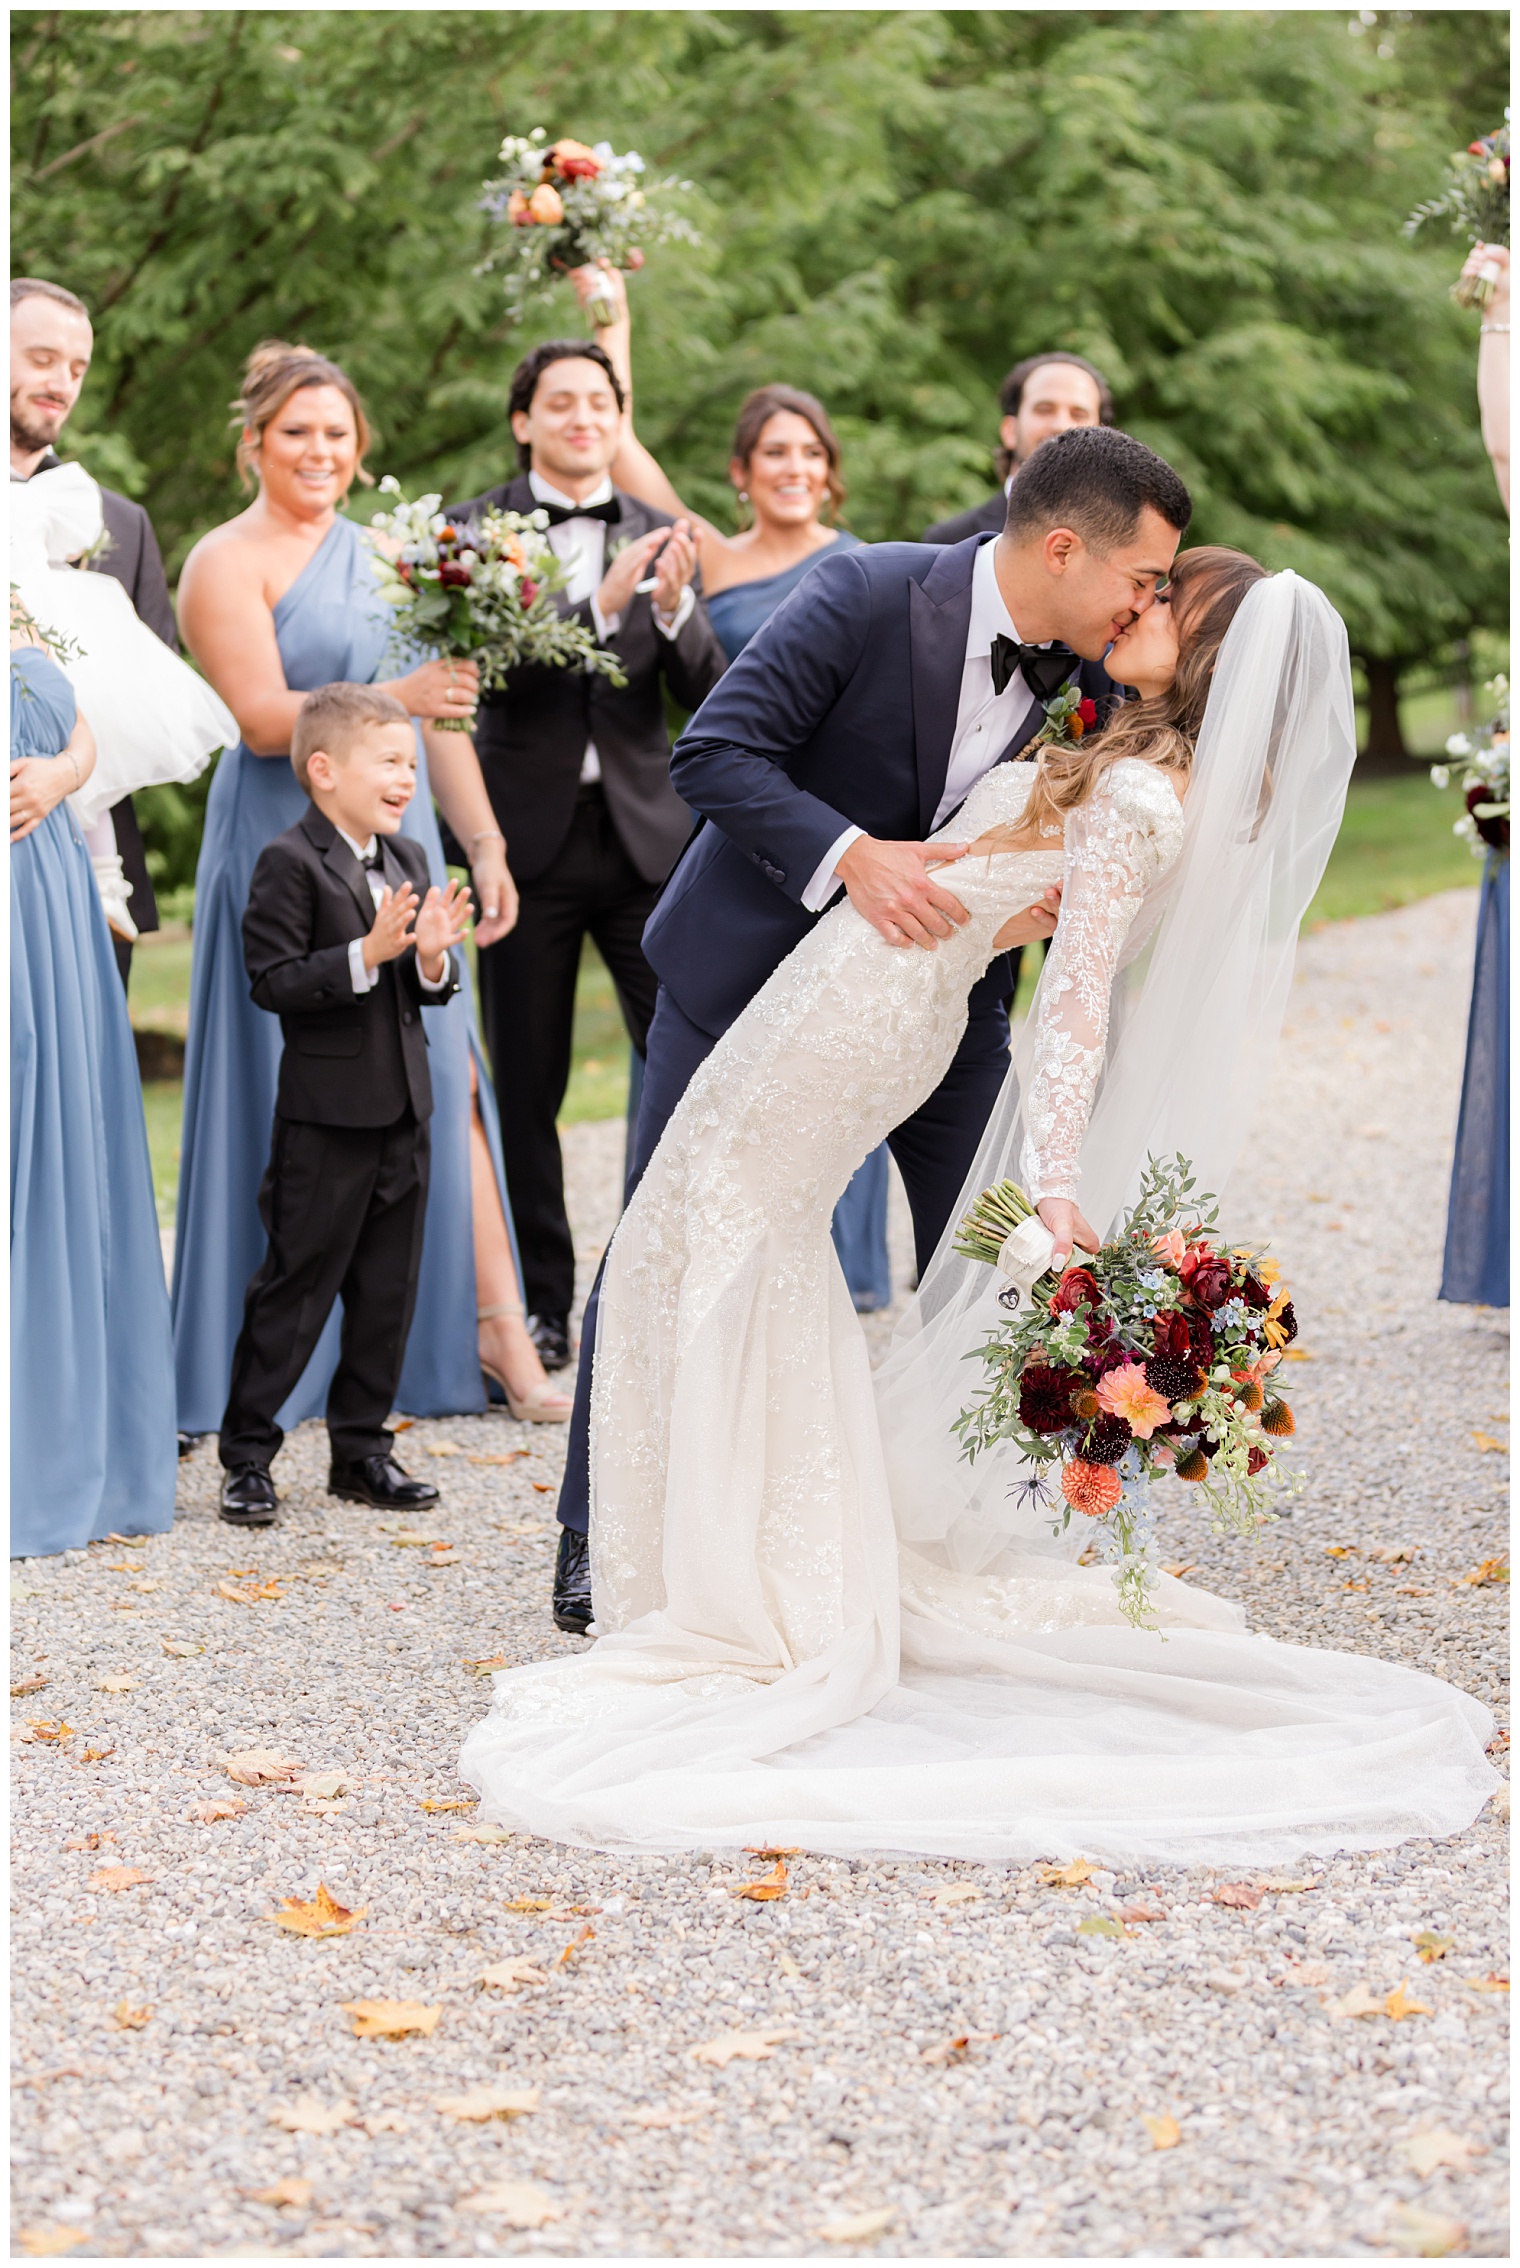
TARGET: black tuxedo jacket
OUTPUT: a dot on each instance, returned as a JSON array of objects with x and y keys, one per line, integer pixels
[
  {"x": 350, "y": 1059},
  {"x": 531, "y": 734},
  {"x": 841, "y": 710},
  {"x": 982, "y": 519}
]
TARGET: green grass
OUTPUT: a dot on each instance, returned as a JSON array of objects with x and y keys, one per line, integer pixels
[{"x": 1395, "y": 845}]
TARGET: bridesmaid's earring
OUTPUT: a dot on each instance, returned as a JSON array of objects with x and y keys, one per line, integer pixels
[{"x": 742, "y": 515}]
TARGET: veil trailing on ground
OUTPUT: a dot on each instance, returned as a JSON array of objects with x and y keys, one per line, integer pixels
[{"x": 1196, "y": 1011}]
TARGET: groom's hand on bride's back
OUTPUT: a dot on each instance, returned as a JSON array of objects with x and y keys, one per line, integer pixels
[{"x": 893, "y": 886}]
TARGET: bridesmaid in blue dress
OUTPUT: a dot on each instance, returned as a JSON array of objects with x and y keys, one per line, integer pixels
[
  {"x": 92, "y": 1366},
  {"x": 1475, "y": 1268},
  {"x": 274, "y": 603},
  {"x": 783, "y": 465}
]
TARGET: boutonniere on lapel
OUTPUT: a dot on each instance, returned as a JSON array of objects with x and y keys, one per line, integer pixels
[{"x": 1068, "y": 715}]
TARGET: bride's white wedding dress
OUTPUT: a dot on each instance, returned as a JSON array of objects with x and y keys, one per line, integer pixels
[{"x": 777, "y": 1662}]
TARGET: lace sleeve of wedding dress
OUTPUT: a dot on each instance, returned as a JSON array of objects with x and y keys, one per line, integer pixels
[{"x": 1116, "y": 847}]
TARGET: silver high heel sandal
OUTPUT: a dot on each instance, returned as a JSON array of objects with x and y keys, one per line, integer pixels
[{"x": 538, "y": 1408}]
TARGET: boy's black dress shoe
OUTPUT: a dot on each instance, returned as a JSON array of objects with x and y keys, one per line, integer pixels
[
  {"x": 572, "y": 1583},
  {"x": 381, "y": 1482},
  {"x": 248, "y": 1498},
  {"x": 551, "y": 1335}
]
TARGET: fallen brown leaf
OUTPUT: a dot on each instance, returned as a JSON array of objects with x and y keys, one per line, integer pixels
[
  {"x": 128, "y": 1543},
  {"x": 219, "y": 1807},
  {"x": 510, "y": 1975},
  {"x": 544, "y": 1487},
  {"x": 1162, "y": 2128},
  {"x": 444, "y": 1449},
  {"x": 320, "y": 1916},
  {"x": 1398, "y": 2005},
  {"x": 481, "y": 2103},
  {"x": 772, "y": 1885},
  {"x": 773, "y": 1850},
  {"x": 292, "y": 2190},
  {"x": 1141, "y": 1913},
  {"x": 308, "y": 2114},
  {"x": 1340, "y": 1551},
  {"x": 1068, "y": 1877},
  {"x": 447, "y": 1556},
  {"x": 147, "y": 1583},
  {"x": 529, "y": 1905},
  {"x": 1439, "y": 2148},
  {"x": 1419, "y": 2235},
  {"x": 1357, "y": 2002},
  {"x": 956, "y": 2048},
  {"x": 47, "y": 1729},
  {"x": 44, "y": 2243},
  {"x": 391, "y": 2019},
  {"x": 324, "y": 1785},
  {"x": 116, "y": 1684},
  {"x": 455, "y": 1803},
  {"x": 1101, "y": 1925},
  {"x": 745, "y": 2047},
  {"x": 1490, "y": 1983},
  {"x": 1496, "y": 1747},
  {"x": 482, "y": 1835},
  {"x": 118, "y": 1878},
  {"x": 1431, "y": 1945},
  {"x": 954, "y": 1894},
  {"x": 32, "y": 1684},
  {"x": 577, "y": 1945},
  {"x": 181, "y": 1648},
  {"x": 247, "y": 1594},
  {"x": 261, "y": 1768},
  {"x": 1487, "y": 1572},
  {"x": 501, "y": 1457},
  {"x": 1244, "y": 1896},
  {"x": 90, "y": 1842},
  {"x": 1486, "y": 1444},
  {"x": 521, "y": 2204},
  {"x": 486, "y": 1664},
  {"x": 97, "y": 1755},
  {"x": 1284, "y": 1885},
  {"x": 1413, "y": 1591},
  {"x": 129, "y": 2018},
  {"x": 320, "y": 1570},
  {"x": 859, "y": 2228},
  {"x": 1179, "y": 1568}
]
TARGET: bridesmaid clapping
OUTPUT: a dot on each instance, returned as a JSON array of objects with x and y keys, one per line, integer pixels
[{"x": 274, "y": 603}]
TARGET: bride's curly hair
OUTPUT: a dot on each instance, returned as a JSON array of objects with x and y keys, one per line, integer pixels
[{"x": 1206, "y": 591}]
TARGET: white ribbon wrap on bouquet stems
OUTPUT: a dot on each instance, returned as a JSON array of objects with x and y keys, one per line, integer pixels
[
  {"x": 153, "y": 719},
  {"x": 1195, "y": 1015},
  {"x": 1025, "y": 1254}
]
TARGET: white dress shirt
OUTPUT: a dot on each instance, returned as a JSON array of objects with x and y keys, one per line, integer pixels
[
  {"x": 581, "y": 547},
  {"x": 985, "y": 721},
  {"x": 364, "y": 980}
]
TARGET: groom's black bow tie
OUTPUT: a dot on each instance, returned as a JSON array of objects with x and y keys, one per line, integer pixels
[
  {"x": 1046, "y": 668},
  {"x": 371, "y": 861},
  {"x": 611, "y": 512}
]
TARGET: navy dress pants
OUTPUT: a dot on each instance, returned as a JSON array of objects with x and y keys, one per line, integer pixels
[{"x": 934, "y": 1149}]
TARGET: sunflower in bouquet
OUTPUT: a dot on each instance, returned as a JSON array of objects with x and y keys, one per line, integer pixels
[
  {"x": 565, "y": 205},
  {"x": 1154, "y": 1355},
  {"x": 479, "y": 590}
]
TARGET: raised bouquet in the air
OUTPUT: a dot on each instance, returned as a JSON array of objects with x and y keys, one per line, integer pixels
[
  {"x": 1476, "y": 203},
  {"x": 563, "y": 205},
  {"x": 479, "y": 590},
  {"x": 1154, "y": 1355},
  {"x": 1483, "y": 754}
]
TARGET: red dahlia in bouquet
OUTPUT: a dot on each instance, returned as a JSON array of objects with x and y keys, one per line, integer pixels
[{"x": 1154, "y": 1355}]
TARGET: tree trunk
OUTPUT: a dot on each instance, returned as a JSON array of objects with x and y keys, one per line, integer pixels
[{"x": 1385, "y": 733}]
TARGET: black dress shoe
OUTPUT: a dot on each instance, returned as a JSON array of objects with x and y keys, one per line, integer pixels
[
  {"x": 248, "y": 1498},
  {"x": 551, "y": 1335},
  {"x": 381, "y": 1482},
  {"x": 189, "y": 1442},
  {"x": 572, "y": 1583}
]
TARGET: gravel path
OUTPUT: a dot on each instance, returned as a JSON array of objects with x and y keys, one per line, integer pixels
[{"x": 961, "y": 2060}]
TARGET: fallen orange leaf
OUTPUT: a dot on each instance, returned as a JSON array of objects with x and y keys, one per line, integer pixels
[
  {"x": 129, "y": 2018},
  {"x": 1398, "y": 2004},
  {"x": 746, "y": 2047},
  {"x": 1162, "y": 2128},
  {"x": 1486, "y": 1572},
  {"x": 44, "y": 2243},
  {"x": 454, "y": 1803},
  {"x": 219, "y": 1807},
  {"x": 1068, "y": 1877},
  {"x": 1490, "y": 1983},
  {"x": 773, "y": 1850},
  {"x": 772, "y": 1885},
  {"x": 294, "y": 2189},
  {"x": 482, "y": 2103},
  {"x": 576, "y": 1946},
  {"x": 509, "y": 1975},
  {"x": 261, "y": 1767},
  {"x": 529, "y": 1905},
  {"x": 320, "y": 1916},
  {"x": 1244, "y": 1896},
  {"x": 97, "y": 1755},
  {"x": 391, "y": 2019},
  {"x": 118, "y": 1877},
  {"x": 1431, "y": 1945},
  {"x": 48, "y": 1729},
  {"x": 486, "y": 1664},
  {"x": 32, "y": 1684}
]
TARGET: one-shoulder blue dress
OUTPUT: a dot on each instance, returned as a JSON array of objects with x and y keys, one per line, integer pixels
[
  {"x": 331, "y": 625},
  {"x": 92, "y": 1365},
  {"x": 860, "y": 1217},
  {"x": 1475, "y": 1268}
]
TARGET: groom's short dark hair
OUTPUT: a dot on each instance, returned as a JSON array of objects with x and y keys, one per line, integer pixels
[
  {"x": 532, "y": 367},
  {"x": 1096, "y": 481}
]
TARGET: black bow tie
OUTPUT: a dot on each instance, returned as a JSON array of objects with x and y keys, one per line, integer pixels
[
  {"x": 371, "y": 861},
  {"x": 1046, "y": 668},
  {"x": 611, "y": 512}
]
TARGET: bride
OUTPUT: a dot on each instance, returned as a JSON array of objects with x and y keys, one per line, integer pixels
[{"x": 817, "y": 1624}]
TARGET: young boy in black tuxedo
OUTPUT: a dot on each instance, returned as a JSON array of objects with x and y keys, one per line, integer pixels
[{"x": 343, "y": 940}]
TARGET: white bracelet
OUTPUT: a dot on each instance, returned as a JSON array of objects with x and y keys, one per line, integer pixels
[{"x": 1502, "y": 328}]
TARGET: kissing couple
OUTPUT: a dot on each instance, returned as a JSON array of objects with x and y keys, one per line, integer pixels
[{"x": 815, "y": 1623}]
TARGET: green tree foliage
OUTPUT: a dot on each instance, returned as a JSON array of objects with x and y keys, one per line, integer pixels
[{"x": 893, "y": 204}]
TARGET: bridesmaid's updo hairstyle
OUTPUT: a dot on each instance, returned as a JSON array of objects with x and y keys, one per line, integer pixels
[
  {"x": 1206, "y": 591},
  {"x": 763, "y": 404},
  {"x": 275, "y": 371}
]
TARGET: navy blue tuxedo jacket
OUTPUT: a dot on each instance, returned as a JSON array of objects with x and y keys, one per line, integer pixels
[{"x": 839, "y": 712}]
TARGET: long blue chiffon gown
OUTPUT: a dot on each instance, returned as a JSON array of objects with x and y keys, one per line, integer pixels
[
  {"x": 860, "y": 1218},
  {"x": 1475, "y": 1270},
  {"x": 330, "y": 625},
  {"x": 92, "y": 1365}
]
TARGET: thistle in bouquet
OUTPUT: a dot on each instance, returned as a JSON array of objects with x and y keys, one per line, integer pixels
[
  {"x": 1476, "y": 203},
  {"x": 479, "y": 590},
  {"x": 1155, "y": 1355},
  {"x": 1483, "y": 754},
  {"x": 562, "y": 205}
]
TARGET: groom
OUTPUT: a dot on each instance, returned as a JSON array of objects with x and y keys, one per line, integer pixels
[{"x": 852, "y": 725}]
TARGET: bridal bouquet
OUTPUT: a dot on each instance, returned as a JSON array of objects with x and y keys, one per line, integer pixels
[
  {"x": 566, "y": 206},
  {"x": 1484, "y": 754},
  {"x": 480, "y": 590},
  {"x": 1476, "y": 202},
  {"x": 1154, "y": 1355}
]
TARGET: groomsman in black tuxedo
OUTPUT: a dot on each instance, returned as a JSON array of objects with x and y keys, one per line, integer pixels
[
  {"x": 51, "y": 345},
  {"x": 1041, "y": 396},
  {"x": 578, "y": 772}
]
